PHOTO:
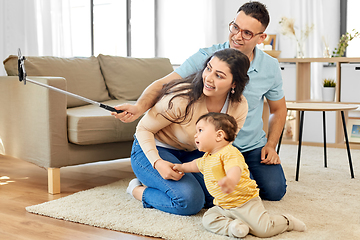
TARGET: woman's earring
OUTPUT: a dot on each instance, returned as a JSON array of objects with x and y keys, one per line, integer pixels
[{"x": 232, "y": 90}]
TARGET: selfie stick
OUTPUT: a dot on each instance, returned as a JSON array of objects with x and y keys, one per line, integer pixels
[{"x": 22, "y": 77}]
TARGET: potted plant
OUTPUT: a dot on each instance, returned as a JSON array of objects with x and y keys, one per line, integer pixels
[
  {"x": 344, "y": 42},
  {"x": 328, "y": 90}
]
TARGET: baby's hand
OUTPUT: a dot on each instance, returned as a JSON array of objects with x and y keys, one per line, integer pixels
[
  {"x": 178, "y": 168},
  {"x": 226, "y": 185}
]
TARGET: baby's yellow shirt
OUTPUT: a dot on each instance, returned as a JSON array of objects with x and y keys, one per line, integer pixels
[{"x": 214, "y": 168}]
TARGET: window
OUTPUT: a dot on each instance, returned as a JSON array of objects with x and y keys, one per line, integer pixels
[
  {"x": 112, "y": 27},
  {"x": 80, "y": 27},
  {"x": 110, "y": 21},
  {"x": 142, "y": 28}
]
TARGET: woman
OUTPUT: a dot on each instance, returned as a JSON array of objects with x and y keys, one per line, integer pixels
[{"x": 165, "y": 135}]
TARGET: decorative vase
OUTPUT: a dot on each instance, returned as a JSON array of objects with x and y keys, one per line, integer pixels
[
  {"x": 326, "y": 53},
  {"x": 300, "y": 49},
  {"x": 328, "y": 94}
]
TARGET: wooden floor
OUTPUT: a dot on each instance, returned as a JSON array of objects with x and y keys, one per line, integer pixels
[{"x": 23, "y": 184}]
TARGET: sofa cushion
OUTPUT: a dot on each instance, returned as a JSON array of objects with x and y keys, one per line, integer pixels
[
  {"x": 83, "y": 75},
  {"x": 127, "y": 77},
  {"x": 91, "y": 124}
]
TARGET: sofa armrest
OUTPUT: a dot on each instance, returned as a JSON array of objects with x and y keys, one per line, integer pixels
[{"x": 33, "y": 121}]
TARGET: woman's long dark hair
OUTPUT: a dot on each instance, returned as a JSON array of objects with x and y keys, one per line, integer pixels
[{"x": 192, "y": 86}]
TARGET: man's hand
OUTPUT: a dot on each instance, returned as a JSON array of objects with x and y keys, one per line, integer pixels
[
  {"x": 166, "y": 170},
  {"x": 130, "y": 112},
  {"x": 269, "y": 155},
  {"x": 277, "y": 119}
]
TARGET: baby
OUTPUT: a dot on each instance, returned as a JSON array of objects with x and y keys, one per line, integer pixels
[{"x": 238, "y": 208}]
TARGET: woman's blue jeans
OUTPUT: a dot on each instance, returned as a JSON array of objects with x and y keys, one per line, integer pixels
[{"x": 184, "y": 197}]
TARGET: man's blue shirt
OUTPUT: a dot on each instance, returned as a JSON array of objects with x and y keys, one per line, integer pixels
[{"x": 265, "y": 81}]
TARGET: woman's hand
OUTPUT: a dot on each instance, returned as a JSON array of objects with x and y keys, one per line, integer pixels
[
  {"x": 166, "y": 170},
  {"x": 130, "y": 112}
]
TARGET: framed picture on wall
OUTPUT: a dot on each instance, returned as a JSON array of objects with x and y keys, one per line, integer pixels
[
  {"x": 353, "y": 130},
  {"x": 271, "y": 40}
]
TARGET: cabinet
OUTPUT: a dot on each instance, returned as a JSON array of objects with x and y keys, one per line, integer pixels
[
  {"x": 347, "y": 74},
  {"x": 288, "y": 73},
  {"x": 350, "y": 82}
]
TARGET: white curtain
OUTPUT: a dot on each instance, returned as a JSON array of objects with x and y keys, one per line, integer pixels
[
  {"x": 311, "y": 12},
  {"x": 37, "y": 27}
]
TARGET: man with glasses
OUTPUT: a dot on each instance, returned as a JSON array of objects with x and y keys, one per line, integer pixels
[{"x": 246, "y": 31}]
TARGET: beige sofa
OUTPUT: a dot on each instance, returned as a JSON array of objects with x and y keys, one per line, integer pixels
[{"x": 53, "y": 130}]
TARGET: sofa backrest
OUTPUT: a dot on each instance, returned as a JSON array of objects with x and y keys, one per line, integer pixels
[
  {"x": 83, "y": 75},
  {"x": 127, "y": 77}
]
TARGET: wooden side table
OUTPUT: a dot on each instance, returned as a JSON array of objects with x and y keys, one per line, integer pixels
[{"x": 324, "y": 107}]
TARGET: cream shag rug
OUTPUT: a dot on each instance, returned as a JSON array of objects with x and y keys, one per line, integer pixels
[{"x": 326, "y": 199}]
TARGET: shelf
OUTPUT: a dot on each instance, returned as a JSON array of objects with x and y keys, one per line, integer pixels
[
  {"x": 310, "y": 60},
  {"x": 303, "y": 84}
]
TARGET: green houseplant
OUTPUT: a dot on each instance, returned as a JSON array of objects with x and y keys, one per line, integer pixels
[
  {"x": 344, "y": 42},
  {"x": 328, "y": 90},
  {"x": 328, "y": 82}
]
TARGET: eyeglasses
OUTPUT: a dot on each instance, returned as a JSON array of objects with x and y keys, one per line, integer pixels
[{"x": 245, "y": 34}]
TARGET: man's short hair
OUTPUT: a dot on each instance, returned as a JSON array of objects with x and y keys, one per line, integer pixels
[{"x": 256, "y": 10}]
